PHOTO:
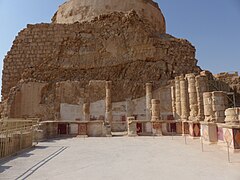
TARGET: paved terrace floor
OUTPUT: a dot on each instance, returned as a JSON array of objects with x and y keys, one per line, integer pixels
[{"x": 122, "y": 158}]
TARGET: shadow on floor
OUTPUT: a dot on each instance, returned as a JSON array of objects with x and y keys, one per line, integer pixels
[
  {"x": 4, "y": 168},
  {"x": 34, "y": 168},
  {"x": 21, "y": 154}
]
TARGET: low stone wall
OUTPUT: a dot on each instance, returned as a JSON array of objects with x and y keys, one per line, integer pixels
[{"x": 53, "y": 129}]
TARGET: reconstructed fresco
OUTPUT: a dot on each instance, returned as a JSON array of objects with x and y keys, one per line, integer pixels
[{"x": 107, "y": 66}]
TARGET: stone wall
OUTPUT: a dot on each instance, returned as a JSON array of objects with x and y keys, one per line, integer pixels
[{"x": 119, "y": 47}]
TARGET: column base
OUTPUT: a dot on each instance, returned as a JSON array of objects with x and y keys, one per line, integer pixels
[
  {"x": 157, "y": 128},
  {"x": 194, "y": 129},
  {"x": 108, "y": 130},
  {"x": 209, "y": 132},
  {"x": 185, "y": 128},
  {"x": 132, "y": 129},
  {"x": 229, "y": 135}
]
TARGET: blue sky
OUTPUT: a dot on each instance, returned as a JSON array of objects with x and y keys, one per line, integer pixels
[{"x": 212, "y": 26}]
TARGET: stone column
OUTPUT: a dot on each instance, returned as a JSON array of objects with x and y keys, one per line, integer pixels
[
  {"x": 148, "y": 100},
  {"x": 219, "y": 105},
  {"x": 86, "y": 111},
  {"x": 192, "y": 92},
  {"x": 173, "y": 101},
  {"x": 155, "y": 110},
  {"x": 214, "y": 106},
  {"x": 156, "y": 123},
  {"x": 201, "y": 87},
  {"x": 177, "y": 98},
  {"x": 208, "y": 111},
  {"x": 86, "y": 105},
  {"x": 184, "y": 99},
  {"x": 108, "y": 112}
]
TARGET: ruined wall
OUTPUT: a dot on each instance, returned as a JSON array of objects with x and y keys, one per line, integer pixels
[
  {"x": 27, "y": 101},
  {"x": 119, "y": 47}
]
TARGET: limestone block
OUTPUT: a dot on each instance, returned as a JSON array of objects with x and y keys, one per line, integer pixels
[
  {"x": 95, "y": 129},
  {"x": 209, "y": 132}
]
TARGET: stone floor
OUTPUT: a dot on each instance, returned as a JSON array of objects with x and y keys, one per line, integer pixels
[{"x": 139, "y": 158}]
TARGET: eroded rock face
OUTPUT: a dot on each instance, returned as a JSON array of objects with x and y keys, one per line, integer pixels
[{"x": 86, "y": 10}]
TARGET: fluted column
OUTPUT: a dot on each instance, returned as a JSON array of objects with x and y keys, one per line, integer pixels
[
  {"x": 177, "y": 98},
  {"x": 148, "y": 100},
  {"x": 108, "y": 101},
  {"x": 184, "y": 99},
  {"x": 201, "y": 87},
  {"x": 192, "y": 93},
  {"x": 208, "y": 111}
]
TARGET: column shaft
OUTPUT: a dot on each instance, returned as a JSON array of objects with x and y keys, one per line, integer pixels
[
  {"x": 155, "y": 110},
  {"x": 184, "y": 99},
  {"x": 201, "y": 87},
  {"x": 177, "y": 98},
  {"x": 148, "y": 100},
  {"x": 192, "y": 93},
  {"x": 108, "y": 102}
]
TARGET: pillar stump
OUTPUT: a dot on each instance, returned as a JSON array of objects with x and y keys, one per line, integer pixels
[
  {"x": 131, "y": 126},
  {"x": 209, "y": 132},
  {"x": 156, "y": 123}
]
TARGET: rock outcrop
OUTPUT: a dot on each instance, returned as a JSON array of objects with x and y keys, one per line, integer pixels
[{"x": 86, "y": 10}]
